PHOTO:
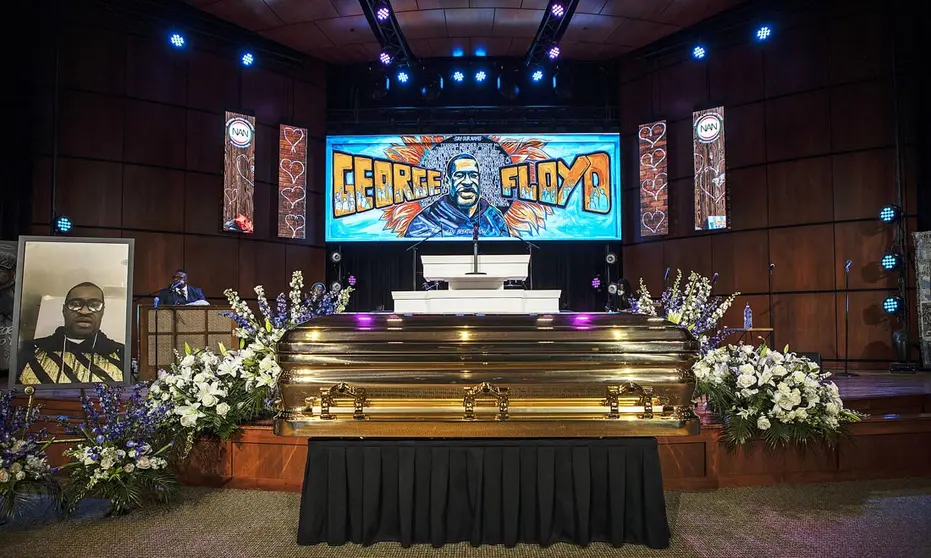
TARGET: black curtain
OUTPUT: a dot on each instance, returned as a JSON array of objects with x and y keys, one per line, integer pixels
[
  {"x": 379, "y": 268},
  {"x": 484, "y": 492}
]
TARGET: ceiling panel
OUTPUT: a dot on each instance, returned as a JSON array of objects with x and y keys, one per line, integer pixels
[{"x": 337, "y": 30}]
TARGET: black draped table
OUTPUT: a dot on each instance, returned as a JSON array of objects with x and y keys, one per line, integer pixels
[{"x": 484, "y": 492}]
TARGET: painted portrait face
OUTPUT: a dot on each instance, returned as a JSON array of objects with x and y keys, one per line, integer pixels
[
  {"x": 464, "y": 182},
  {"x": 83, "y": 311}
]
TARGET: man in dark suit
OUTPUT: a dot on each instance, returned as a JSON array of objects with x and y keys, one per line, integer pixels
[{"x": 180, "y": 293}]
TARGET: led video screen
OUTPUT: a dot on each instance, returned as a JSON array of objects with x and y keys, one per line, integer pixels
[
  {"x": 538, "y": 187},
  {"x": 292, "y": 182},
  {"x": 710, "y": 165},
  {"x": 654, "y": 194},
  {"x": 239, "y": 173}
]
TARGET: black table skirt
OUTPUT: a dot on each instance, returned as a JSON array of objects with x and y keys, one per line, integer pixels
[{"x": 484, "y": 492}]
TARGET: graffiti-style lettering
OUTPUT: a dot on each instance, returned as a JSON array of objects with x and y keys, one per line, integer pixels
[
  {"x": 402, "y": 183},
  {"x": 362, "y": 172},
  {"x": 344, "y": 191},
  {"x": 384, "y": 191}
]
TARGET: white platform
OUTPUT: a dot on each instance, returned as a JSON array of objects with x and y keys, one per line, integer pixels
[
  {"x": 476, "y": 301},
  {"x": 455, "y": 270}
]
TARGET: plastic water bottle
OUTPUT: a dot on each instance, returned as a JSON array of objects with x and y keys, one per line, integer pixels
[{"x": 748, "y": 317}]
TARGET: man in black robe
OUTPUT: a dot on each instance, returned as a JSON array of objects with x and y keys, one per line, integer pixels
[
  {"x": 457, "y": 213},
  {"x": 78, "y": 352},
  {"x": 180, "y": 293}
]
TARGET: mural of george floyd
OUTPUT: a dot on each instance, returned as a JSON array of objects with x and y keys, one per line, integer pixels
[
  {"x": 811, "y": 159},
  {"x": 129, "y": 142}
]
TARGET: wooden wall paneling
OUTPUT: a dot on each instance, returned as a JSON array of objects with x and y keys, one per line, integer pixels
[
  {"x": 153, "y": 198},
  {"x": 636, "y": 103},
  {"x": 202, "y": 202},
  {"x": 860, "y": 47},
  {"x": 745, "y": 134},
  {"x": 891, "y": 454},
  {"x": 310, "y": 107},
  {"x": 742, "y": 260},
  {"x": 681, "y": 207},
  {"x": 864, "y": 181},
  {"x": 270, "y": 461},
  {"x": 90, "y": 125},
  {"x": 864, "y": 243},
  {"x": 798, "y": 61},
  {"x": 316, "y": 216},
  {"x": 156, "y": 257},
  {"x": 41, "y": 189},
  {"x": 262, "y": 263},
  {"x": 43, "y": 123},
  {"x": 909, "y": 179},
  {"x": 806, "y": 322},
  {"x": 267, "y": 94},
  {"x": 688, "y": 254},
  {"x": 736, "y": 77},
  {"x": 862, "y": 115},
  {"x": 265, "y": 210},
  {"x": 796, "y": 125},
  {"x": 748, "y": 191},
  {"x": 679, "y": 142},
  {"x": 800, "y": 191},
  {"x": 803, "y": 258},
  {"x": 266, "y": 154},
  {"x": 204, "y": 137},
  {"x": 870, "y": 326},
  {"x": 645, "y": 261},
  {"x": 155, "y": 70},
  {"x": 90, "y": 192},
  {"x": 683, "y": 460},
  {"x": 311, "y": 261},
  {"x": 213, "y": 82},
  {"x": 316, "y": 166},
  {"x": 93, "y": 61},
  {"x": 212, "y": 262},
  {"x": 155, "y": 134},
  {"x": 682, "y": 88}
]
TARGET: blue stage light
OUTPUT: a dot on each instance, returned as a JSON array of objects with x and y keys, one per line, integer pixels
[
  {"x": 248, "y": 59},
  {"x": 480, "y": 76},
  {"x": 893, "y": 304},
  {"x": 480, "y": 51},
  {"x": 458, "y": 76},
  {"x": 63, "y": 225},
  {"x": 403, "y": 76},
  {"x": 698, "y": 52},
  {"x": 176, "y": 40},
  {"x": 763, "y": 33},
  {"x": 890, "y": 214},
  {"x": 891, "y": 261},
  {"x": 457, "y": 52},
  {"x": 537, "y": 75}
]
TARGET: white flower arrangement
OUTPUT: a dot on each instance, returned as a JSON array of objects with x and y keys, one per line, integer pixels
[
  {"x": 105, "y": 463},
  {"x": 782, "y": 397}
]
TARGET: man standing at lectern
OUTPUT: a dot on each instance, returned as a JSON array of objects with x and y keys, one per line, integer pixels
[
  {"x": 457, "y": 213},
  {"x": 180, "y": 293}
]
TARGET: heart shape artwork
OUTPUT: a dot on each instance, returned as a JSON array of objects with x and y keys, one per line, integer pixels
[
  {"x": 240, "y": 159},
  {"x": 711, "y": 176},
  {"x": 293, "y": 195},
  {"x": 295, "y": 223},
  {"x": 652, "y": 220},
  {"x": 291, "y": 168},
  {"x": 290, "y": 132},
  {"x": 653, "y": 158},
  {"x": 231, "y": 194},
  {"x": 655, "y": 185},
  {"x": 652, "y": 132}
]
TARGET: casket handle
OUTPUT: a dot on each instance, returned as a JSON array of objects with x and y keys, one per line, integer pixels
[
  {"x": 328, "y": 397},
  {"x": 615, "y": 392},
  {"x": 499, "y": 393}
]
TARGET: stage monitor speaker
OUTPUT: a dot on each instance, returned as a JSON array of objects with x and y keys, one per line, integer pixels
[{"x": 814, "y": 357}]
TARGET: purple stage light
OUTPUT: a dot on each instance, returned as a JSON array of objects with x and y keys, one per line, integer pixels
[
  {"x": 553, "y": 52},
  {"x": 383, "y": 12},
  {"x": 385, "y": 58},
  {"x": 596, "y": 282},
  {"x": 557, "y": 10},
  {"x": 351, "y": 280}
]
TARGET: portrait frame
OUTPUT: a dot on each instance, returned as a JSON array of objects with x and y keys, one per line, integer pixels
[{"x": 28, "y": 271}]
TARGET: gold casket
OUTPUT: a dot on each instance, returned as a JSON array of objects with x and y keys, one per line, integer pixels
[{"x": 477, "y": 376}]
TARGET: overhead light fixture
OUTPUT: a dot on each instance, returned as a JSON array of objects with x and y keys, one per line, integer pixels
[
  {"x": 893, "y": 304},
  {"x": 553, "y": 52},
  {"x": 480, "y": 76},
  {"x": 248, "y": 59},
  {"x": 403, "y": 76},
  {"x": 176, "y": 40},
  {"x": 537, "y": 75},
  {"x": 63, "y": 225},
  {"x": 763, "y": 33},
  {"x": 698, "y": 52},
  {"x": 891, "y": 261},
  {"x": 890, "y": 214},
  {"x": 458, "y": 76},
  {"x": 382, "y": 11},
  {"x": 385, "y": 58},
  {"x": 557, "y": 9}
]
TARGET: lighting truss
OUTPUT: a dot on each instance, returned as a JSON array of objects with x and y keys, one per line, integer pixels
[
  {"x": 388, "y": 32},
  {"x": 551, "y": 30}
]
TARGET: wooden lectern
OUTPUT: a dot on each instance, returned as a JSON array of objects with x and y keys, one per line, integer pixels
[{"x": 167, "y": 328}]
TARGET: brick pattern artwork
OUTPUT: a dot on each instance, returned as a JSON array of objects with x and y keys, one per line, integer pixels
[
  {"x": 654, "y": 193},
  {"x": 292, "y": 182},
  {"x": 708, "y": 153}
]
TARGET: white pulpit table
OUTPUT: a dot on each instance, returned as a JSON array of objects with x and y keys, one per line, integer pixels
[{"x": 482, "y": 293}]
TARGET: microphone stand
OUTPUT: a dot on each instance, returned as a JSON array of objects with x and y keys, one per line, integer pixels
[
  {"x": 530, "y": 247},
  {"x": 413, "y": 248},
  {"x": 846, "y": 373},
  {"x": 772, "y": 307},
  {"x": 475, "y": 270}
]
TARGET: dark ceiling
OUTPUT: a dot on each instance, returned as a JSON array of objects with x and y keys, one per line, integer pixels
[{"x": 337, "y": 30}]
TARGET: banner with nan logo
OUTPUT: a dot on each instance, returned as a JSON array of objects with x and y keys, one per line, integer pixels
[{"x": 239, "y": 173}]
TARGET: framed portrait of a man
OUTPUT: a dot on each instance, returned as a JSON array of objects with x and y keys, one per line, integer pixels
[{"x": 72, "y": 313}]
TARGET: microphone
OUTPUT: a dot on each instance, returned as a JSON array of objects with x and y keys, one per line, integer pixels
[
  {"x": 714, "y": 279},
  {"x": 176, "y": 285},
  {"x": 847, "y": 265},
  {"x": 155, "y": 301},
  {"x": 772, "y": 266},
  {"x": 666, "y": 277}
]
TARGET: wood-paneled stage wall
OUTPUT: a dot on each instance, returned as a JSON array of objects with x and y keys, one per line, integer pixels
[
  {"x": 810, "y": 131},
  {"x": 140, "y": 136}
]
